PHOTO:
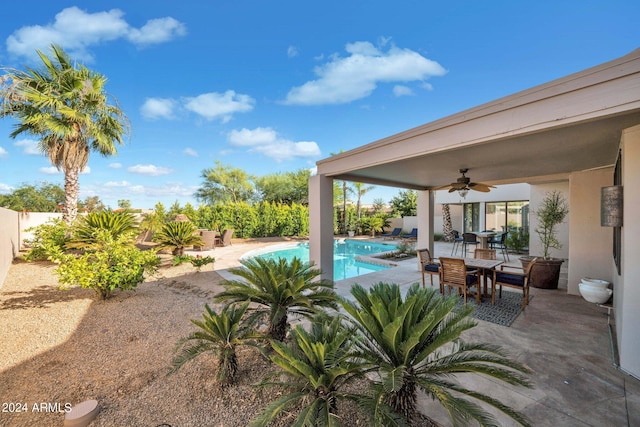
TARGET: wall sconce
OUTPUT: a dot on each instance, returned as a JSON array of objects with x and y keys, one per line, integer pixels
[{"x": 611, "y": 206}]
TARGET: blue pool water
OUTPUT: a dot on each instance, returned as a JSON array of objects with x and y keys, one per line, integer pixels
[{"x": 344, "y": 252}]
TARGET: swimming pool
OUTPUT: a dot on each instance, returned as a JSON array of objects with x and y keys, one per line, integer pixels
[{"x": 345, "y": 254}]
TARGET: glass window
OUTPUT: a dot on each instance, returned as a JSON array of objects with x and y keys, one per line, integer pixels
[
  {"x": 471, "y": 217},
  {"x": 507, "y": 216}
]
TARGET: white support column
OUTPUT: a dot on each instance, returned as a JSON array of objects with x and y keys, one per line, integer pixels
[
  {"x": 321, "y": 224},
  {"x": 426, "y": 209}
]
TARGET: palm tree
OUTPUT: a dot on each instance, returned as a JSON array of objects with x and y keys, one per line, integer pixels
[
  {"x": 67, "y": 108},
  {"x": 219, "y": 333},
  {"x": 281, "y": 287},
  {"x": 115, "y": 223},
  {"x": 414, "y": 344},
  {"x": 360, "y": 189}
]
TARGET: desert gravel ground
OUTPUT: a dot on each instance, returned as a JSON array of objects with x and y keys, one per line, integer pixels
[{"x": 62, "y": 347}]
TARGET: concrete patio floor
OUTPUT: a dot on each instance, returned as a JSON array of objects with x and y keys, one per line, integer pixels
[{"x": 562, "y": 338}]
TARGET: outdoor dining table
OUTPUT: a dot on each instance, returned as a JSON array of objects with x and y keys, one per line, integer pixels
[
  {"x": 485, "y": 265},
  {"x": 484, "y": 237}
]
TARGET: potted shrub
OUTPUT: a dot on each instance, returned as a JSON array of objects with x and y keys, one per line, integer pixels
[{"x": 552, "y": 212}]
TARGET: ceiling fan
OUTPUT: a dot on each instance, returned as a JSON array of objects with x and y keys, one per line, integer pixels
[{"x": 464, "y": 184}]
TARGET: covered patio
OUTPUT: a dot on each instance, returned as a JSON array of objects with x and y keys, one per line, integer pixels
[{"x": 567, "y": 135}]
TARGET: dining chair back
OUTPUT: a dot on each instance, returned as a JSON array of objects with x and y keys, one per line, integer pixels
[
  {"x": 513, "y": 279},
  {"x": 500, "y": 242},
  {"x": 467, "y": 240},
  {"x": 454, "y": 273},
  {"x": 428, "y": 265}
]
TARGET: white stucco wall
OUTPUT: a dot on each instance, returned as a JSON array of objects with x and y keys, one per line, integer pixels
[
  {"x": 9, "y": 240},
  {"x": 627, "y": 285},
  {"x": 590, "y": 250}
]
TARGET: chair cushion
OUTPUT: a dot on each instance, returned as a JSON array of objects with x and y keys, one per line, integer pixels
[
  {"x": 472, "y": 279},
  {"x": 433, "y": 268},
  {"x": 511, "y": 279}
]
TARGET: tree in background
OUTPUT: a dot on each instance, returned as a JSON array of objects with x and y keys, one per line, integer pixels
[
  {"x": 44, "y": 197},
  {"x": 405, "y": 203},
  {"x": 360, "y": 189},
  {"x": 92, "y": 204},
  {"x": 124, "y": 204},
  {"x": 287, "y": 187},
  {"x": 67, "y": 107},
  {"x": 379, "y": 205},
  {"x": 224, "y": 183}
]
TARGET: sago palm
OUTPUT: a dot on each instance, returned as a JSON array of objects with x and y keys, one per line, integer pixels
[
  {"x": 177, "y": 235},
  {"x": 219, "y": 333},
  {"x": 115, "y": 223},
  {"x": 414, "y": 344},
  {"x": 280, "y": 287},
  {"x": 66, "y": 106},
  {"x": 318, "y": 365}
]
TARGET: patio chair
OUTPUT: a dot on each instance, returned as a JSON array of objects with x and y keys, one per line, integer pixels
[
  {"x": 516, "y": 280},
  {"x": 225, "y": 239},
  {"x": 500, "y": 242},
  {"x": 454, "y": 273},
  {"x": 428, "y": 266},
  {"x": 457, "y": 240},
  {"x": 395, "y": 233},
  {"x": 412, "y": 235},
  {"x": 467, "y": 240}
]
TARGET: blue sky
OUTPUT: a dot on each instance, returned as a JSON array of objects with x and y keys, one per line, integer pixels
[{"x": 275, "y": 86}]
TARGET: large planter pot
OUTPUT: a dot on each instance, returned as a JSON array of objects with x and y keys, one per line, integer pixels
[{"x": 545, "y": 273}]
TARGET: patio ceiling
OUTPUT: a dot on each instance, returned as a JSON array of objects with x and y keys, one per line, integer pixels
[{"x": 541, "y": 134}]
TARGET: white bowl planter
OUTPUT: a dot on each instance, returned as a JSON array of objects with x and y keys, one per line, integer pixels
[
  {"x": 595, "y": 294},
  {"x": 603, "y": 284}
]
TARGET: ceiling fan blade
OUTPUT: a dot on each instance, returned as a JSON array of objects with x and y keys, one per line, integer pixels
[
  {"x": 478, "y": 186},
  {"x": 451, "y": 190}
]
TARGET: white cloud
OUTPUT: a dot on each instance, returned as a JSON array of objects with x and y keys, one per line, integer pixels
[
  {"x": 292, "y": 51},
  {"x": 51, "y": 170},
  {"x": 345, "y": 79},
  {"x": 157, "y": 31},
  {"x": 29, "y": 146},
  {"x": 156, "y": 108},
  {"x": 76, "y": 30},
  {"x": 267, "y": 142},
  {"x": 149, "y": 170},
  {"x": 3, "y": 152},
  {"x": 219, "y": 106},
  {"x": 117, "y": 184},
  {"x": 5, "y": 189},
  {"x": 190, "y": 152},
  {"x": 115, "y": 165},
  {"x": 401, "y": 90}
]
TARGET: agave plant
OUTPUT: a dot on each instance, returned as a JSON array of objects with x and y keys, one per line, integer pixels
[
  {"x": 84, "y": 233},
  {"x": 414, "y": 344},
  {"x": 318, "y": 364},
  {"x": 281, "y": 288},
  {"x": 176, "y": 235},
  {"x": 219, "y": 333}
]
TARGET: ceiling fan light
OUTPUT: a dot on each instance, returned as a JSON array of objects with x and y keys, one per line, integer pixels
[{"x": 463, "y": 192}]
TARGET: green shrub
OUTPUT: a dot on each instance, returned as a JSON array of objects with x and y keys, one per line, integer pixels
[
  {"x": 517, "y": 241},
  {"x": 112, "y": 264},
  {"x": 198, "y": 261},
  {"x": 49, "y": 240},
  {"x": 181, "y": 259}
]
